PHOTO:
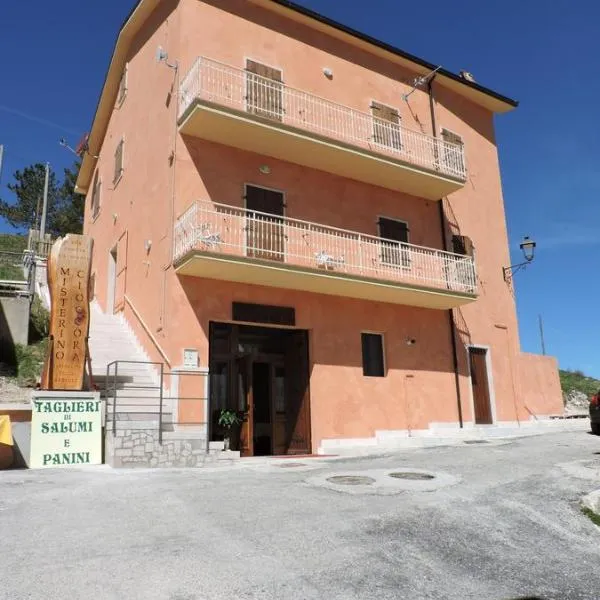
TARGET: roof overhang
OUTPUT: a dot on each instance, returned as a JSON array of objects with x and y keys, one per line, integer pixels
[{"x": 474, "y": 92}]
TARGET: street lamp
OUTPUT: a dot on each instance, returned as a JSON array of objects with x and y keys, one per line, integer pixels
[{"x": 528, "y": 248}]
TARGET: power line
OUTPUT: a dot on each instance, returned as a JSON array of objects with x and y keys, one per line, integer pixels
[{"x": 35, "y": 119}]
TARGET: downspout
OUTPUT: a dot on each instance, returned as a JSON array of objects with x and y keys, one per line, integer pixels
[{"x": 445, "y": 243}]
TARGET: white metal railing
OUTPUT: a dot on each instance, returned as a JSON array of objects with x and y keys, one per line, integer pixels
[
  {"x": 224, "y": 229},
  {"x": 239, "y": 89}
]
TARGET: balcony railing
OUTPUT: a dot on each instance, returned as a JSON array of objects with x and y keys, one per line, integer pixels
[
  {"x": 247, "y": 92},
  {"x": 226, "y": 230}
]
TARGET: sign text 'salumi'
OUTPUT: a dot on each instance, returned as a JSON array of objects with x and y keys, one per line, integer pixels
[{"x": 66, "y": 432}]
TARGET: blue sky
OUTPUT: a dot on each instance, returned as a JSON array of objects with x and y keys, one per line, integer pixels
[{"x": 544, "y": 54}]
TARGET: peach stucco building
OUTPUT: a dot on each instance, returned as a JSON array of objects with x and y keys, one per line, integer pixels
[{"x": 318, "y": 215}]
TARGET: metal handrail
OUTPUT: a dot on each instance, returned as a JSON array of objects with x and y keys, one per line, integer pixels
[
  {"x": 238, "y": 89},
  {"x": 223, "y": 229}
]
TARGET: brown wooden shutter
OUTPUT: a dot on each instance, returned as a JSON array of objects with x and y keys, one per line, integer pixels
[
  {"x": 265, "y": 235},
  {"x": 450, "y": 136},
  {"x": 263, "y": 97},
  {"x": 118, "y": 161},
  {"x": 462, "y": 244},
  {"x": 394, "y": 253},
  {"x": 386, "y": 125},
  {"x": 385, "y": 113}
]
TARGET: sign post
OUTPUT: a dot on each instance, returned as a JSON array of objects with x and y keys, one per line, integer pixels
[{"x": 66, "y": 419}]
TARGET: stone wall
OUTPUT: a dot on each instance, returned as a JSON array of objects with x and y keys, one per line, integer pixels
[{"x": 141, "y": 448}]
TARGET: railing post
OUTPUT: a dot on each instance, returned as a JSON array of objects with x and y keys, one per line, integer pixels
[
  {"x": 162, "y": 368},
  {"x": 360, "y": 254},
  {"x": 114, "y": 390}
]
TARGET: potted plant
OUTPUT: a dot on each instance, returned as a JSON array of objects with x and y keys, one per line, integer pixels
[{"x": 228, "y": 419}]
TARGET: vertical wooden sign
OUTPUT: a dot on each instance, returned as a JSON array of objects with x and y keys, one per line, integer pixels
[{"x": 69, "y": 267}]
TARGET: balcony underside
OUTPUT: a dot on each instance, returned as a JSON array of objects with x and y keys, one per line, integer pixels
[
  {"x": 255, "y": 134},
  {"x": 272, "y": 274}
]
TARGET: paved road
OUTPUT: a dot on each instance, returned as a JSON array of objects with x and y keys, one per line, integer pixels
[{"x": 510, "y": 528}]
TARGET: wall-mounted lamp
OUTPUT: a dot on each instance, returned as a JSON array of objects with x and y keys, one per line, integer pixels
[
  {"x": 410, "y": 341},
  {"x": 147, "y": 245},
  {"x": 115, "y": 216},
  {"x": 265, "y": 169},
  {"x": 528, "y": 248},
  {"x": 328, "y": 73}
]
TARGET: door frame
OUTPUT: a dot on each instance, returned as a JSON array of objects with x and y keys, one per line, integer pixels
[
  {"x": 113, "y": 262},
  {"x": 284, "y": 216},
  {"x": 490, "y": 379},
  {"x": 263, "y": 358}
]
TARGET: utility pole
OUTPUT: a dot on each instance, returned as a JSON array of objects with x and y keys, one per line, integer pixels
[
  {"x": 1, "y": 160},
  {"x": 45, "y": 205},
  {"x": 542, "y": 335}
]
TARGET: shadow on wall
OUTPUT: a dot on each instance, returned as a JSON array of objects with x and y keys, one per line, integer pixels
[
  {"x": 456, "y": 104},
  {"x": 8, "y": 355},
  {"x": 336, "y": 324}
]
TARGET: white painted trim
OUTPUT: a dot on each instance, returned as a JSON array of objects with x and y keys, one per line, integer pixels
[{"x": 490, "y": 378}]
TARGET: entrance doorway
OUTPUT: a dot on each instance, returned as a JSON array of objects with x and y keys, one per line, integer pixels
[
  {"x": 262, "y": 373},
  {"x": 480, "y": 384}
]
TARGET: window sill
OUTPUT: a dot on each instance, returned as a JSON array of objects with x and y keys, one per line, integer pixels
[
  {"x": 116, "y": 181},
  {"x": 95, "y": 216}
]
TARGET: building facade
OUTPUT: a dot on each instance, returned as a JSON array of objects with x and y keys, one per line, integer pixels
[{"x": 318, "y": 215}]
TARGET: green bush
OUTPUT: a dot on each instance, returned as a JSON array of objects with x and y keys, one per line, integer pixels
[
  {"x": 30, "y": 360},
  {"x": 39, "y": 321}
]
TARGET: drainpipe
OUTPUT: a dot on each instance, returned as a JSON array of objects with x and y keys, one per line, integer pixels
[{"x": 445, "y": 243}]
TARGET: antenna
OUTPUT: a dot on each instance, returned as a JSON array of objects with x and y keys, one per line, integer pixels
[
  {"x": 419, "y": 81},
  {"x": 81, "y": 148},
  {"x": 163, "y": 56}
]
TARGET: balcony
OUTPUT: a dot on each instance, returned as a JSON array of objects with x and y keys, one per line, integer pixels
[
  {"x": 237, "y": 108},
  {"x": 218, "y": 241}
]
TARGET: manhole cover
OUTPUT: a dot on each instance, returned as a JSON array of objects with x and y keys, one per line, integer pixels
[
  {"x": 412, "y": 475},
  {"x": 291, "y": 465},
  {"x": 476, "y": 442},
  {"x": 351, "y": 480}
]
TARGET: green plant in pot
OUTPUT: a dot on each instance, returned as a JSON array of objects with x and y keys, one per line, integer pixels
[{"x": 228, "y": 419}]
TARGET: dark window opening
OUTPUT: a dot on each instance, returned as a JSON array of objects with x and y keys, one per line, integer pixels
[
  {"x": 372, "y": 355},
  {"x": 394, "y": 244}
]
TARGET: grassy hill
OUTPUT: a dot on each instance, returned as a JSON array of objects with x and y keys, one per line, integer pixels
[
  {"x": 10, "y": 266},
  {"x": 577, "y": 381},
  {"x": 12, "y": 242}
]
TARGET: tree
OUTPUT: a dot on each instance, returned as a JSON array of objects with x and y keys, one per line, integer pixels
[{"x": 65, "y": 207}]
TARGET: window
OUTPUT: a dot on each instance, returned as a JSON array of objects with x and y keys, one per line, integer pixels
[
  {"x": 463, "y": 274},
  {"x": 119, "y": 161},
  {"x": 264, "y": 91},
  {"x": 394, "y": 244},
  {"x": 96, "y": 189},
  {"x": 461, "y": 244},
  {"x": 372, "y": 355},
  {"x": 386, "y": 126},
  {"x": 454, "y": 158},
  {"x": 122, "y": 87}
]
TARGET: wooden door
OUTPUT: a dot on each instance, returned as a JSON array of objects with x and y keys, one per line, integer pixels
[
  {"x": 245, "y": 404},
  {"x": 297, "y": 394},
  {"x": 394, "y": 253},
  {"x": 265, "y": 234},
  {"x": 264, "y": 91},
  {"x": 386, "y": 126},
  {"x": 481, "y": 387}
]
